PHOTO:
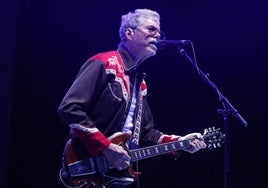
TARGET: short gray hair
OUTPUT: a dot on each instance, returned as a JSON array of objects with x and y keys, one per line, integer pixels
[{"x": 134, "y": 19}]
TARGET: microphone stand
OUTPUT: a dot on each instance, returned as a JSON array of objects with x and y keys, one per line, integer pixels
[{"x": 225, "y": 111}]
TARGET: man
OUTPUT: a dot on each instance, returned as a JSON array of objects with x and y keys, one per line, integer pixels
[{"x": 109, "y": 95}]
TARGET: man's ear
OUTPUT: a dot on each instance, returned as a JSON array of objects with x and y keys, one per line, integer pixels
[{"x": 129, "y": 33}]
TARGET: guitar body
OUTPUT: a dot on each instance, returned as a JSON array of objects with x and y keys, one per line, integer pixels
[{"x": 93, "y": 172}]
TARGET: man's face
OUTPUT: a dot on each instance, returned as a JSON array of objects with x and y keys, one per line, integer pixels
[{"x": 145, "y": 38}]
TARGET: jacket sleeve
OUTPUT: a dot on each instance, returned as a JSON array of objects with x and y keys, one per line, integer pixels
[{"x": 74, "y": 107}]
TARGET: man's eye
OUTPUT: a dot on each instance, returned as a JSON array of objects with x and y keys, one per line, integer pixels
[{"x": 151, "y": 29}]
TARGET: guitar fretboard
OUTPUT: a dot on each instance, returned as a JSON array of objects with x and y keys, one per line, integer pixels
[{"x": 151, "y": 151}]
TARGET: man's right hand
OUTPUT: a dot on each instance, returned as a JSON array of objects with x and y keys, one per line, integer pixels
[{"x": 117, "y": 156}]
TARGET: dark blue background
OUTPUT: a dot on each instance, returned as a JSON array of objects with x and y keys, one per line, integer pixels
[{"x": 50, "y": 40}]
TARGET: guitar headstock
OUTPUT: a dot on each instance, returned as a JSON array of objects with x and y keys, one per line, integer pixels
[{"x": 213, "y": 137}]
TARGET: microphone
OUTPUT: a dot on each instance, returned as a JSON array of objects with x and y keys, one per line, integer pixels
[{"x": 172, "y": 43}]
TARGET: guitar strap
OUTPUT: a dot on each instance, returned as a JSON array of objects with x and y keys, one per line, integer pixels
[
  {"x": 137, "y": 124},
  {"x": 136, "y": 132}
]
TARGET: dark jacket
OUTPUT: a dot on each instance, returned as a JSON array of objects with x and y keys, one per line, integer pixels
[{"x": 101, "y": 93}]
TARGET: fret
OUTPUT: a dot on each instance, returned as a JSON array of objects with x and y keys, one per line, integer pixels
[
  {"x": 136, "y": 156},
  {"x": 148, "y": 151},
  {"x": 160, "y": 149},
  {"x": 156, "y": 150},
  {"x": 173, "y": 146},
  {"x": 144, "y": 154},
  {"x": 166, "y": 147},
  {"x": 139, "y": 152}
]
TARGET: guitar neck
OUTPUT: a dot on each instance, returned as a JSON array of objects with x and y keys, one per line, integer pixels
[
  {"x": 155, "y": 150},
  {"x": 212, "y": 137}
]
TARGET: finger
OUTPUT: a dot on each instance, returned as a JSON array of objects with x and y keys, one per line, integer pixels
[
  {"x": 195, "y": 146},
  {"x": 204, "y": 145},
  {"x": 125, "y": 166},
  {"x": 126, "y": 158},
  {"x": 199, "y": 136},
  {"x": 117, "y": 165},
  {"x": 200, "y": 144},
  {"x": 190, "y": 149}
]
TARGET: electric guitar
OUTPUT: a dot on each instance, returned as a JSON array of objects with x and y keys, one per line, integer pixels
[{"x": 82, "y": 170}]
